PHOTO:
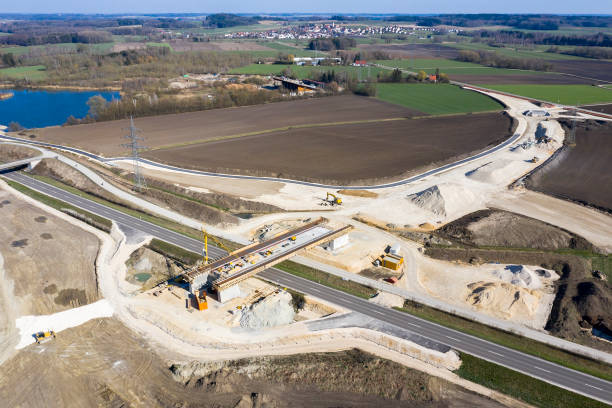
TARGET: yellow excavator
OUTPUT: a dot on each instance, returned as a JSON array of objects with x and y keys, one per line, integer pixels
[
  {"x": 335, "y": 200},
  {"x": 219, "y": 244}
]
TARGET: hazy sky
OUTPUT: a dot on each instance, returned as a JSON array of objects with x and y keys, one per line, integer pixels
[{"x": 317, "y": 6}]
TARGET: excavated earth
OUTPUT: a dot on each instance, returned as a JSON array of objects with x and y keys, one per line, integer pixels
[
  {"x": 582, "y": 300},
  {"x": 102, "y": 363}
]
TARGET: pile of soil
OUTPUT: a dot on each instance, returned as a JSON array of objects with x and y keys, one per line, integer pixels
[
  {"x": 9, "y": 153},
  {"x": 496, "y": 228},
  {"x": 103, "y": 363},
  {"x": 581, "y": 301},
  {"x": 147, "y": 268},
  {"x": 579, "y": 173}
]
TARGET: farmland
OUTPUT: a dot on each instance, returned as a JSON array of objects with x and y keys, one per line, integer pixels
[
  {"x": 346, "y": 153},
  {"x": 303, "y": 72},
  {"x": 159, "y": 131},
  {"x": 436, "y": 99},
  {"x": 564, "y": 94},
  {"x": 580, "y": 172},
  {"x": 32, "y": 73}
]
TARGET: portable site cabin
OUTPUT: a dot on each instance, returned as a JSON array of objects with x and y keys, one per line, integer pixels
[{"x": 393, "y": 262}]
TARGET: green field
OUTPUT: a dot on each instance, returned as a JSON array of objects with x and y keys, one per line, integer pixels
[
  {"x": 436, "y": 99},
  {"x": 303, "y": 72},
  {"x": 521, "y": 386},
  {"x": 564, "y": 94},
  {"x": 69, "y": 47},
  {"x": 451, "y": 67},
  {"x": 536, "y": 52},
  {"x": 289, "y": 49},
  {"x": 33, "y": 73}
]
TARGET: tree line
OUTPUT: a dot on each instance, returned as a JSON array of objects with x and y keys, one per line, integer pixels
[{"x": 491, "y": 59}]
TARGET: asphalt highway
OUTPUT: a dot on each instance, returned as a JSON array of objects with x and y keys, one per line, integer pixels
[{"x": 541, "y": 369}]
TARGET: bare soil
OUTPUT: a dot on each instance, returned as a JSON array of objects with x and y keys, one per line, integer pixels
[
  {"x": 106, "y": 137},
  {"x": 600, "y": 108},
  {"x": 102, "y": 363},
  {"x": 582, "y": 172},
  {"x": 542, "y": 79},
  {"x": 345, "y": 153},
  {"x": 187, "y": 45},
  {"x": 9, "y": 153},
  {"x": 495, "y": 228},
  {"x": 581, "y": 301},
  {"x": 595, "y": 69},
  {"x": 413, "y": 50}
]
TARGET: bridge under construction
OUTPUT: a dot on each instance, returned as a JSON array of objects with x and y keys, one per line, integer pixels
[{"x": 224, "y": 274}]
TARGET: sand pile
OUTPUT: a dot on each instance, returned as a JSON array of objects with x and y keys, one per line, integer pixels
[
  {"x": 523, "y": 276},
  {"x": 443, "y": 200},
  {"x": 430, "y": 199},
  {"x": 503, "y": 299},
  {"x": 274, "y": 310},
  {"x": 494, "y": 172}
]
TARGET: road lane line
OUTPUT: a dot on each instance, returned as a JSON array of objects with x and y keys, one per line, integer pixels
[
  {"x": 452, "y": 338},
  {"x": 540, "y": 368},
  {"x": 501, "y": 355},
  {"x": 592, "y": 386}
]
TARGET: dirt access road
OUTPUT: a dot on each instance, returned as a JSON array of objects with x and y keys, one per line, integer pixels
[
  {"x": 369, "y": 152},
  {"x": 105, "y": 138}
]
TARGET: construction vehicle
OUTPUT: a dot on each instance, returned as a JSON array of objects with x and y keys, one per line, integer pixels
[
  {"x": 293, "y": 238},
  {"x": 219, "y": 244},
  {"x": 43, "y": 337},
  {"x": 335, "y": 200},
  {"x": 201, "y": 301},
  {"x": 534, "y": 160}
]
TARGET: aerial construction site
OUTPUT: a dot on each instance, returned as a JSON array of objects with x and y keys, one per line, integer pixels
[{"x": 314, "y": 242}]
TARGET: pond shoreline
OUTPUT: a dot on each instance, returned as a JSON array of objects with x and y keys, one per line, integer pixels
[
  {"x": 6, "y": 95},
  {"x": 61, "y": 88}
]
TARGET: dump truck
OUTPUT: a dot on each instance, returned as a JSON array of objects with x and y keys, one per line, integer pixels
[
  {"x": 43, "y": 337},
  {"x": 201, "y": 300}
]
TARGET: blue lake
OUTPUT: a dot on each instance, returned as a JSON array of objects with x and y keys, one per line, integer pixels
[{"x": 38, "y": 108}]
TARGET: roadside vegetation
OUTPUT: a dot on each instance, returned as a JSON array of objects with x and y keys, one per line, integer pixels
[{"x": 521, "y": 386}]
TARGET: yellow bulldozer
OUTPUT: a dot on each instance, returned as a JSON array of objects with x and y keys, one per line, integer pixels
[{"x": 43, "y": 337}]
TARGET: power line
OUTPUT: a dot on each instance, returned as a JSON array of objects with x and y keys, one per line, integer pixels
[{"x": 135, "y": 146}]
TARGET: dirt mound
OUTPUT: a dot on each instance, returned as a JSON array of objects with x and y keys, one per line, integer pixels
[
  {"x": 9, "y": 153},
  {"x": 274, "y": 310},
  {"x": 146, "y": 268},
  {"x": 565, "y": 319},
  {"x": 594, "y": 303},
  {"x": 503, "y": 299},
  {"x": 430, "y": 199},
  {"x": 525, "y": 277},
  {"x": 505, "y": 229}
]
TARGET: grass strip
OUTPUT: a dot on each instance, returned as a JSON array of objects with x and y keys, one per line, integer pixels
[
  {"x": 174, "y": 252},
  {"x": 521, "y": 386},
  {"x": 159, "y": 221},
  {"x": 273, "y": 130},
  {"x": 510, "y": 340},
  {"x": 326, "y": 279},
  {"x": 85, "y": 216}
]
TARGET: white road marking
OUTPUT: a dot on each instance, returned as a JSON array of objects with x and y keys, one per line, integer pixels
[
  {"x": 592, "y": 386},
  {"x": 501, "y": 355},
  {"x": 540, "y": 368},
  {"x": 412, "y": 324},
  {"x": 452, "y": 338}
]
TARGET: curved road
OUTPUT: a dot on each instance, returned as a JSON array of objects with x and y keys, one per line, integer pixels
[
  {"x": 418, "y": 177},
  {"x": 576, "y": 381}
]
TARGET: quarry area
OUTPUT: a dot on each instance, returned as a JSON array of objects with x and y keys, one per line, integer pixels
[{"x": 468, "y": 217}]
